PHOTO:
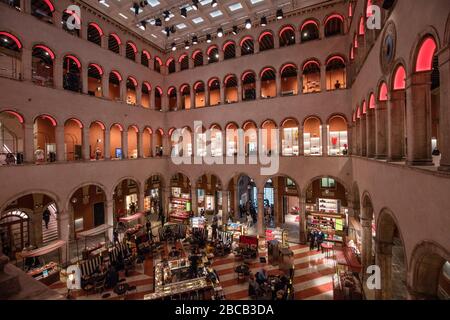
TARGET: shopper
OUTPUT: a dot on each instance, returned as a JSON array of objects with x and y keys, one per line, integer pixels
[
  {"x": 214, "y": 226},
  {"x": 115, "y": 236},
  {"x": 312, "y": 240},
  {"x": 46, "y": 218},
  {"x": 319, "y": 240},
  {"x": 253, "y": 288}
]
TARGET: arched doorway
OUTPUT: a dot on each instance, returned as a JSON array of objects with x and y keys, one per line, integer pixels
[
  {"x": 153, "y": 201},
  {"x": 390, "y": 257},
  {"x": 73, "y": 139},
  {"x": 337, "y": 136},
  {"x": 126, "y": 198},
  {"x": 96, "y": 140},
  {"x": 11, "y": 138},
  {"x": 312, "y": 137},
  {"x": 209, "y": 194},
  {"x": 45, "y": 139}
]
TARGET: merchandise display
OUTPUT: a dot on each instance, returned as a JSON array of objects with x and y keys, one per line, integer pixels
[
  {"x": 278, "y": 234},
  {"x": 332, "y": 225}
]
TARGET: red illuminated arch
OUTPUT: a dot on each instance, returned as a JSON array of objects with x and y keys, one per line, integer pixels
[
  {"x": 424, "y": 61},
  {"x": 12, "y": 37},
  {"x": 245, "y": 39},
  {"x": 46, "y": 49},
  {"x": 158, "y": 59},
  {"x": 135, "y": 83},
  {"x": 263, "y": 71},
  {"x": 309, "y": 62},
  {"x": 115, "y": 36},
  {"x": 399, "y": 78},
  {"x": 145, "y": 52},
  {"x": 362, "y": 29},
  {"x": 333, "y": 16},
  {"x": 159, "y": 90},
  {"x": 246, "y": 73},
  {"x": 212, "y": 80},
  {"x": 184, "y": 55},
  {"x": 78, "y": 122},
  {"x": 50, "y": 118},
  {"x": 118, "y": 126},
  {"x": 75, "y": 59},
  {"x": 228, "y": 77},
  {"x": 263, "y": 34},
  {"x": 169, "y": 91},
  {"x": 132, "y": 45},
  {"x": 197, "y": 84},
  {"x": 195, "y": 53},
  {"x": 307, "y": 22},
  {"x": 211, "y": 48},
  {"x": 99, "y": 69},
  {"x": 372, "y": 103},
  {"x": 336, "y": 58},
  {"x": 50, "y": 5},
  {"x": 383, "y": 92},
  {"x": 14, "y": 113},
  {"x": 287, "y": 65},
  {"x": 117, "y": 74},
  {"x": 286, "y": 28},
  {"x": 136, "y": 129},
  {"x": 169, "y": 61},
  {"x": 184, "y": 86},
  {"x": 228, "y": 43},
  {"x": 100, "y": 124},
  {"x": 96, "y": 26},
  {"x": 147, "y": 85}
]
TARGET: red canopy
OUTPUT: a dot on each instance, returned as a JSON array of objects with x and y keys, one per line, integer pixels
[
  {"x": 132, "y": 218},
  {"x": 44, "y": 250}
]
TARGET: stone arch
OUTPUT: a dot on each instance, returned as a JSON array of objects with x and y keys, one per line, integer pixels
[
  {"x": 429, "y": 31},
  {"x": 81, "y": 185}
]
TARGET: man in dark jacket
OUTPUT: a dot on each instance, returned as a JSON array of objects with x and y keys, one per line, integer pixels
[{"x": 46, "y": 217}]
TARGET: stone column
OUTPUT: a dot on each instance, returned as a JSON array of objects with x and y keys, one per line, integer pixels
[
  {"x": 125, "y": 143},
  {"x": 166, "y": 144},
  {"x": 324, "y": 140},
  {"x": 258, "y": 87},
  {"x": 222, "y": 93},
  {"x": 60, "y": 145},
  {"x": 107, "y": 143},
  {"x": 370, "y": 134},
  {"x": 194, "y": 199},
  {"x": 366, "y": 243},
  {"x": 58, "y": 73},
  {"x": 25, "y": 6},
  {"x": 109, "y": 209},
  {"x": 363, "y": 135},
  {"x": 166, "y": 200},
  {"x": 123, "y": 90},
  {"x": 36, "y": 225},
  {"x": 260, "y": 222},
  {"x": 302, "y": 228},
  {"x": 27, "y": 68},
  {"x": 105, "y": 86},
  {"x": 224, "y": 206},
  {"x": 384, "y": 261},
  {"x": 139, "y": 95},
  {"x": 396, "y": 107},
  {"x": 29, "y": 143},
  {"x": 153, "y": 143},
  {"x": 278, "y": 203},
  {"x": 418, "y": 119},
  {"x": 444, "y": 112},
  {"x": 239, "y": 91},
  {"x": 278, "y": 82},
  {"x": 63, "y": 218},
  {"x": 84, "y": 79},
  {"x": 381, "y": 130},
  {"x": 323, "y": 78},
  {"x": 57, "y": 19},
  {"x": 86, "y": 145},
  {"x": 301, "y": 147},
  {"x": 192, "y": 97},
  {"x": 140, "y": 144}
]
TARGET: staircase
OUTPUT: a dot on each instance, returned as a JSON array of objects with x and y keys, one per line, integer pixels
[{"x": 50, "y": 234}]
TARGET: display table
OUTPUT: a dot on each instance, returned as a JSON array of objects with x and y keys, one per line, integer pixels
[
  {"x": 47, "y": 274},
  {"x": 179, "y": 216}
]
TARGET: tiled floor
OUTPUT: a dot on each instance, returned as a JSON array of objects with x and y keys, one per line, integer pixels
[{"x": 312, "y": 280}]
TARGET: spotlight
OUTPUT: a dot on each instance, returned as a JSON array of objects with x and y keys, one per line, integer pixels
[
  {"x": 208, "y": 38},
  {"x": 220, "y": 32},
  {"x": 183, "y": 12},
  {"x": 174, "y": 46},
  {"x": 158, "y": 22},
  {"x": 194, "y": 40},
  {"x": 214, "y": 3},
  {"x": 263, "y": 21},
  {"x": 235, "y": 30},
  {"x": 186, "y": 45},
  {"x": 195, "y": 4},
  {"x": 279, "y": 14},
  {"x": 144, "y": 24},
  {"x": 248, "y": 24},
  {"x": 166, "y": 15}
]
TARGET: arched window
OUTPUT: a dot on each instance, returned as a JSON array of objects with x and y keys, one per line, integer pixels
[
  {"x": 213, "y": 54},
  {"x": 131, "y": 91},
  {"x": 11, "y": 138},
  {"x": 216, "y": 141},
  {"x": 130, "y": 51},
  {"x": 95, "y": 73},
  {"x": 334, "y": 25},
  {"x": 266, "y": 41},
  {"x": 66, "y": 26},
  {"x": 248, "y": 86},
  {"x": 287, "y": 36},
  {"x": 268, "y": 83},
  {"x": 145, "y": 58},
  {"x": 250, "y": 138},
  {"x": 43, "y": 10},
  {"x": 231, "y": 89},
  {"x": 336, "y": 73},
  {"x": 289, "y": 80},
  {"x": 232, "y": 140},
  {"x": 184, "y": 62},
  {"x": 197, "y": 56},
  {"x": 147, "y": 142},
  {"x": 17, "y": 224},
  {"x": 96, "y": 140},
  {"x": 185, "y": 92},
  {"x": 114, "y": 43},
  {"x": 115, "y": 141},
  {"x": 337, "y": 136},
  {"x": 157, "y": 63},
  {"x": 73, "y": 140},
  {"x": 362, "y": 27},
  {"x": 312, "y": 137},
  {"x": 171, "y": 65},
  {"x": 424, "y": 61},
  {"x": 145, "y": 99},
  {"x": 399, "y": 78},
  {"x": 172, "y": 96},
  {"x": 289, "y": 138},
  {"x": 229, "y": 50},
  {"x": 247, "y": 46},
  {"x": 42, "y": 64},
  {"x": 95, "y": 33},
  {"x": 10, "y": 61},
  {"x": 309, "y": 31},
  {"x": 214, "y": 92},
  {"x": 72, "y": 73},
  {"x": 383, "y": 92},
  {"x": 45, "y": 139},
  {"x": 114, "y": 85},
  {"x": 199, "y": 91},
  {"x": 269, "y": 143},
  {"x": 311, "y": 77}
]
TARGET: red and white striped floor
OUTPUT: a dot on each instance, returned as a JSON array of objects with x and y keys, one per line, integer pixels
[{"x": 312, "y": 278}]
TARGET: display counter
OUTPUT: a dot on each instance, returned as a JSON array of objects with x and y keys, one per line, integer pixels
[
  {"x": 237, "y": 229},
  {"x": 332, "y": 225},
  {"x": 47, "y": 274}
]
